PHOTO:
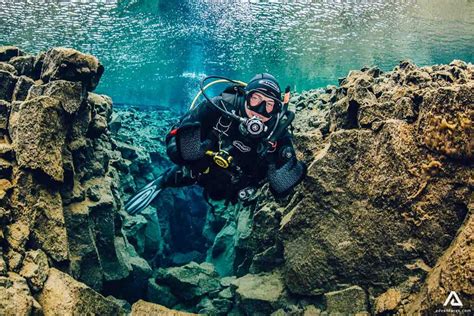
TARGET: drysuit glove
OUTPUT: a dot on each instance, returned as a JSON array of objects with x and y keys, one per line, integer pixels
[
  {"x": 284, "y": 179},
  {"x": 188, "y": 142}
]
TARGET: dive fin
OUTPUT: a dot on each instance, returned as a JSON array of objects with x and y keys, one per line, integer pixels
[{"x": 143, "y": 197}]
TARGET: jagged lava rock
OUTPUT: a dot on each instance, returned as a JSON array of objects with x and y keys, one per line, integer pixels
[
  {"x": 70, "y": 94},
  {"x": 7, "y": 84},
  {"x": 62, "y": 294},
  {"x": 72, "y": 65},
  {"x": 385, "y": 192},
  {"x": 40, "y": 136},
  {"x": 452, "y": 272},
  {"x": 191, "y": 280},
  {"x": 15, "y": 296},
  {"x": 142, "y": 308},
  {"x": 349, "y": 301},
  {"x": 259, "y": 293},
  {"x": 8, "y": 52}
]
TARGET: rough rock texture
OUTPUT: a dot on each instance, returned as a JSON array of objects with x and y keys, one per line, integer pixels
[
  {"x": 381, "y": 225},
  {"x": 351, "y": 300},
  {"x": 453, "y": 272},
  {"x": 15, "y": 296},
  {"x": 72, "y": 65},
  {"x": 39, "y": 136},
  {"x": 59, "y": 192},
  {"x": 62, "y": 294},
  {"x": 145, "y": 308},
  {"x": 389, "y": 158},
  {"x": 380, "y": 203},
  {"x": 259, "y": 293}
]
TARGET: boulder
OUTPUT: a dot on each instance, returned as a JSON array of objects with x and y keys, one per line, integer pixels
[
  {"x": 7, "y": 68},
  {"x": 22, "y": 87},
  {"x": 71, "y": 65},
  {"x": 388, "y": 301},
  {"x": 7, "y": 84},
  {"x": 8, "y": 52},
  {"x": 35, "y": 268},
  {"x": 4, "y": 114},
  {"x": 40, "y": 136},
  {"x": 160, "y": 294},
  {"x": 70, "y": 94},
  {"x": 24, "y": 65},
  {"x": 190, "y": 281},
  {"x": 62, "y": 293},
  {"x": 17, "y": 235},
  {"x": 349, "y": 301},
  {"x": 259, "y": 293},
  {"x": 445, "y": 121},
  {"x": 145, "y": 308},
  {"x": 101, "y": 105},
  {"x": 452, "y": 272},
  {"x": 14, "y": 260},
  {"x": 351, "y": 225},
  {"x": 15, "y": 296}
]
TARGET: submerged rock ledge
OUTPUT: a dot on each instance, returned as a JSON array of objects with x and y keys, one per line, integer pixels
[{"x": 381, "y": 225}]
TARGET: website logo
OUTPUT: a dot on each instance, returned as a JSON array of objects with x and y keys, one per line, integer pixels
[{"x": 453, "y": 300}]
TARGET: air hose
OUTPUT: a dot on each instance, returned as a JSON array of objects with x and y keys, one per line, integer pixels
[{"x": 203, "y": 89}]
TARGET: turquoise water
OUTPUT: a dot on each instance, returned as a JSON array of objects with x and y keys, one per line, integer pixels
[{"x": 155, "y": 51}]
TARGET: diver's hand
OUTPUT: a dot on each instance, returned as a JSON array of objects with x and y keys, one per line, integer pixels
[
  {"x": 285, "y": 178},
  {"x": 189, "y": 144}
]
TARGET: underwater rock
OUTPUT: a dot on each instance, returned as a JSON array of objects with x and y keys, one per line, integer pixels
[
  {"x": 35, "y": 268},
  {"x": 452, "y": 272},
  {"x": 22, "y": 87},
  {"x": 40, "y": 136},
  {"x": 387, "y": 190},
  {"x": 191, "y": 280},
  {"x": 7, "y": 84},
  {"x": 7, "y": 68},
  {"x": 62, "y": 293},
  {"x": 70, "y": 94},
  {"x": 24, "y": 65},
  {"x": 15, "y": 296},
  {"x": 61, "y": 192},
  {"x": 259, "y": 293},
  {"x": 145, "y": 308},
  {"x": 160, "y": 294},
  {"x": 71, "y": 65},
  {"x": 349, "y": 301},
  {"x": 8, "y": 52},
  {"x": 369, "y": 178}
]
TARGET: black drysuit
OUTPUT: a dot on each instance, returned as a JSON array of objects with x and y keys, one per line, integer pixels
[{"x": 250, "y": 168}]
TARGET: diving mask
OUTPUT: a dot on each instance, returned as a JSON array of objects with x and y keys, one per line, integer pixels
[{"x": 263, "y": 104}]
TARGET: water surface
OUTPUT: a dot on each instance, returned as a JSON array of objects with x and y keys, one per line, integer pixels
[{"x": 155, "y": 51}]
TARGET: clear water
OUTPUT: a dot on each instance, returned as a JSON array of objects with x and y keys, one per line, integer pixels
[{"x": 155, "y": 51}]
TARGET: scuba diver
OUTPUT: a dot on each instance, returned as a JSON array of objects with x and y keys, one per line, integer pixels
[{"x": 231, "y": 145}]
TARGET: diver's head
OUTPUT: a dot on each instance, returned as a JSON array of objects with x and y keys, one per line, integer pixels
[{"x": 263, "y": 97}]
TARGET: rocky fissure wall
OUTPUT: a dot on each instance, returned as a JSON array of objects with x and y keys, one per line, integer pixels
[
  {"x": 382, "y": 224},
  {"x": 59, "y": 188},
  {"x": 389, "y": 187}
]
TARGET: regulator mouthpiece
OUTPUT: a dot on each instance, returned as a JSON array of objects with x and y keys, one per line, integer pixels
[{"x": 253, "y": 127}]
